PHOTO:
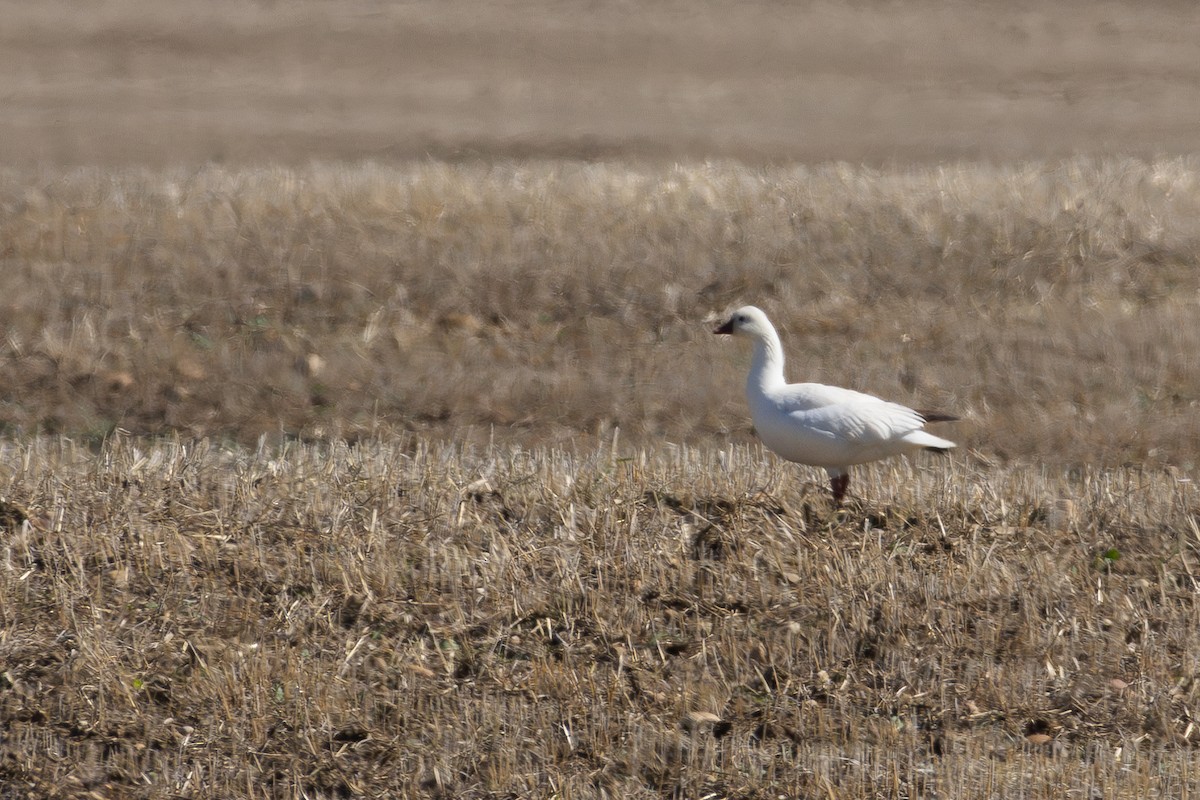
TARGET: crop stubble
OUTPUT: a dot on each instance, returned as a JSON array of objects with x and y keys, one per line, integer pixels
[{"x": 331, "y": 620}]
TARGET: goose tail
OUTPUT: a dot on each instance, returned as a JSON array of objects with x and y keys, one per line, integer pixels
[{"x": 927, "y": 441}]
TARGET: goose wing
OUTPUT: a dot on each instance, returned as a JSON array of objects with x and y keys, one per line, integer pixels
[{"x": 847, "y": 415}]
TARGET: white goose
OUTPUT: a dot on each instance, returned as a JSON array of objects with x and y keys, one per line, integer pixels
[{"x": 823, "y": 426}]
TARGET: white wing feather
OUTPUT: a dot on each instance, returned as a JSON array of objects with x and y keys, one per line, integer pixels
[{"x": 847, "y": 414}]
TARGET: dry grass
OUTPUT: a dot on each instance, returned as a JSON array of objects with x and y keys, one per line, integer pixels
[
  {"x": 388, "y": 541},
  {"x": 350, "y": 608},
  {"x": 181, "y": 619},
  {"x": 1053, "y": 305}
]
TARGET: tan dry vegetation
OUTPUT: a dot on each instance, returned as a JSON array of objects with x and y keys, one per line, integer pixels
[
  {"x": 372, "y": 600},
  {"x": 181, "y": 619},
  {"x": 1055, "y": 306},
  {"x": 165, "y": 82}
]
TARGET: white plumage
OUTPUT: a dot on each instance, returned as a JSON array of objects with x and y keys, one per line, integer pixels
[{"x": 818, "y": 425}]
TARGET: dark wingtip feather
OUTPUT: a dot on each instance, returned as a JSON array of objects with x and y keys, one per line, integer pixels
[{"x": 934, "y": 416}]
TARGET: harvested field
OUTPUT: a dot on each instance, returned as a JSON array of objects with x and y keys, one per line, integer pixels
[
  {"x": 363, "y": 434},
  {"x": 404, "y": 620}
]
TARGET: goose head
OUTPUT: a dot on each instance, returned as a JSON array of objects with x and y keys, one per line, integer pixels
[{"x": 747, "y": 321}]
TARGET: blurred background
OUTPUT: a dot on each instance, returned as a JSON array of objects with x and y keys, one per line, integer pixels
[
  {"x": 518, "y": 220},
  {"x": 164, "y": 82}
]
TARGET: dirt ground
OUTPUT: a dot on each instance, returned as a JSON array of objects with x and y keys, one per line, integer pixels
[{"x": 136, "y": 82}]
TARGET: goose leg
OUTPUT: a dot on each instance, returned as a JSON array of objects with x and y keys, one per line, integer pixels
[{"x": 839, "y": 483}]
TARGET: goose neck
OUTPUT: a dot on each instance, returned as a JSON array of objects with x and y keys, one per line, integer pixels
[{"x": 766, "y": 370}]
